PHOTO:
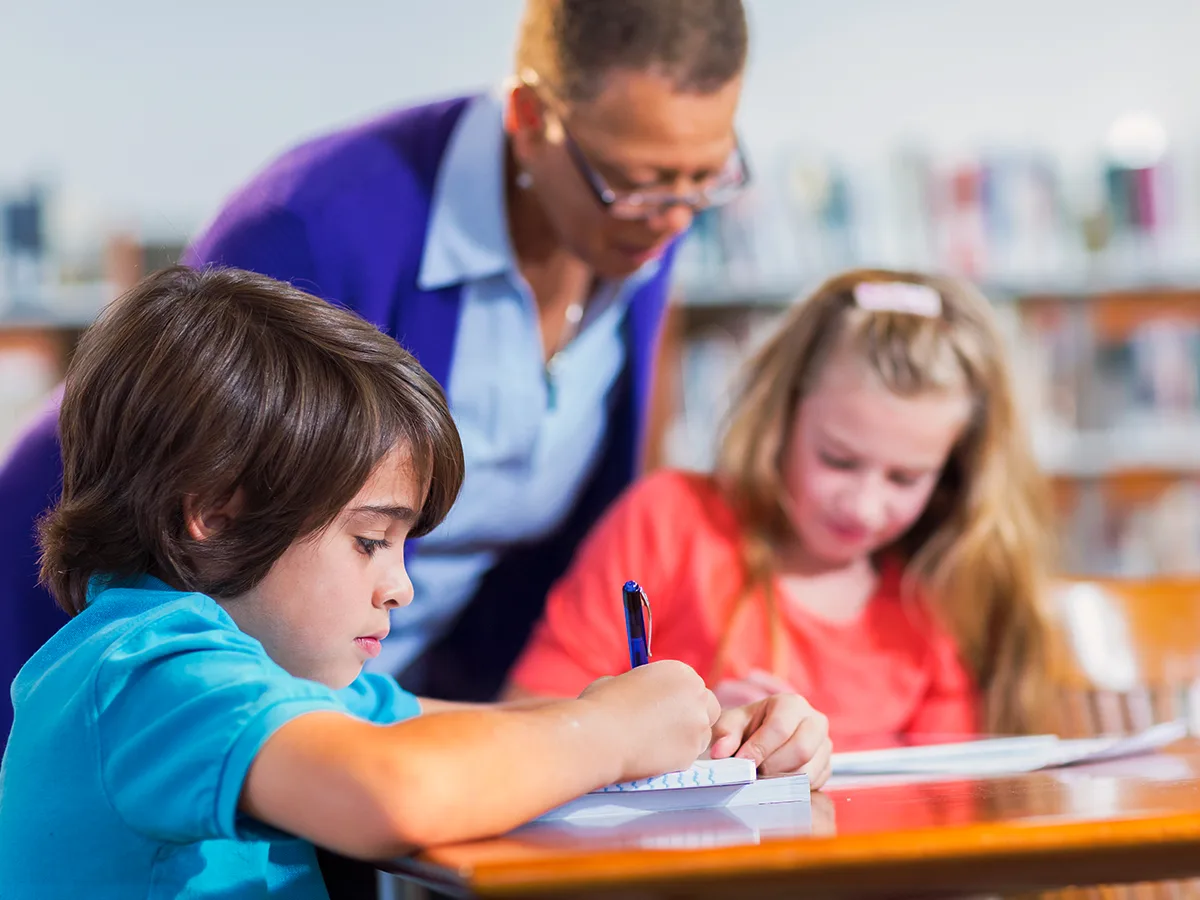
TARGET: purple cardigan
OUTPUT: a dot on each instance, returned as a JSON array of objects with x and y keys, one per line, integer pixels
[{"x": 345, "y": 217}]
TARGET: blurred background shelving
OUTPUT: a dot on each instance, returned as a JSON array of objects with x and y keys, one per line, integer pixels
[
  {"x": 1098, "y": 293},
  {"x": 898, "y": 135},
  {"x": 48, "y": 299}
]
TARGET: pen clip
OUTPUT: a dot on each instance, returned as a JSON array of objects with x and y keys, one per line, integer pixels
[{"x": 649, "y": 617}]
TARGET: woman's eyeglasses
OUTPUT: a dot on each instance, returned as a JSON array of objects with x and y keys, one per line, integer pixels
[{"x": 645, "y": 203}]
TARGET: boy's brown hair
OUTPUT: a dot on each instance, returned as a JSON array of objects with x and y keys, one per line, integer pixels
[{"x": 199, "y": 384}]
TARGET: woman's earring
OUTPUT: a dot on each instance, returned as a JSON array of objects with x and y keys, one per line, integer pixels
[{"x": 524, "y": 180}]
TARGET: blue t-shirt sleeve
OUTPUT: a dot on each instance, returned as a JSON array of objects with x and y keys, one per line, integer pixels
[
  {"x": 378, "y": 698},
  {"x": 181, "y": 709}
]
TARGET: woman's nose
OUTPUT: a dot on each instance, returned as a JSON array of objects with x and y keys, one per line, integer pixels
[{"x": 674, "y": 219}]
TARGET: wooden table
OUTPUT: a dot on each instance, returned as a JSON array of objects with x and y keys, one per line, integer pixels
[{"x": 1124, "y": 821}]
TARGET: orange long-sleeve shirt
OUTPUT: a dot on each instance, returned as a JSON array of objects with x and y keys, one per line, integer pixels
[{"x": 887, "y": 674}]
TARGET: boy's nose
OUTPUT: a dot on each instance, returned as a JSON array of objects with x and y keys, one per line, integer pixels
[{"x": 395, "y": 591}]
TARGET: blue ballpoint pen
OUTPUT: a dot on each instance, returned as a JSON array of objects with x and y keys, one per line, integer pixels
[{"x": 637, "y": 623}]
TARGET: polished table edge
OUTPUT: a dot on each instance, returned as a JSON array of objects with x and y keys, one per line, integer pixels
[{"x": 1033, "y": 854}]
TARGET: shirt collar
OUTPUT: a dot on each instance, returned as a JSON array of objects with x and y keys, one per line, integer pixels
[
  {"x": 468, "y": 229},
  {"x": 467, "y": 237},
  {"x": 104, "y": 581}
]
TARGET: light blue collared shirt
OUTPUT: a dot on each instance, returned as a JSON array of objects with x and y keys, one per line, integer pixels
[{"x": 526, "y": 459}]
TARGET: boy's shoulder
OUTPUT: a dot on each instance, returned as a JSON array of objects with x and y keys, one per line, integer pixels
[
  {"x": 137, "y": 610},
  {"x": 140, "y": 633},
  {"x": 154, "y": 623},
  {"x": 127, "y": 620}
]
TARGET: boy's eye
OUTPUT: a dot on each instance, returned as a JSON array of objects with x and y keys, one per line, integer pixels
[
  {"x": 905, "y": 479},
  {"x": 370, "y": 545}
]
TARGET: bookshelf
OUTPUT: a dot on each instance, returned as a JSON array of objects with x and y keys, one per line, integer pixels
[
  {"x": 40, "y": 323},
  {"x": 1112, "y": 388},
  {"x": 1099, "y": 298},
  {"x": 36, "y": 341},
  {"x": 1093, "y": 265}
]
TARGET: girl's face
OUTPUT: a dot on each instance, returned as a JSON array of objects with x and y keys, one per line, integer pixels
[
  {"x": 324, "y": 606},
  {"x": 862, "y": 462}
]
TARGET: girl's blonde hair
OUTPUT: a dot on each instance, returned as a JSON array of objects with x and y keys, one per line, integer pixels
[{"x": 979, "y": 554}]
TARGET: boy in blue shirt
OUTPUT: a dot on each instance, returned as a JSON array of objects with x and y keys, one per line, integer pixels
[{"x": 243, "y": 464}]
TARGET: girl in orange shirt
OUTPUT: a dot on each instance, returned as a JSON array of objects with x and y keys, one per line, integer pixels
[{"x": 875, "y": 537}]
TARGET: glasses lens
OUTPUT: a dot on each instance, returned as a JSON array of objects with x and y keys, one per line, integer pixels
[{"x": 643, "y": 205}]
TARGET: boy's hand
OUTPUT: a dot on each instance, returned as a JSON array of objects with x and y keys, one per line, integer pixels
[
  {"x": 781, "y": 733},
  {"x": 663, "y": 714}
]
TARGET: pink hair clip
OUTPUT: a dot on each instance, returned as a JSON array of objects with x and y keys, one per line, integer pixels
[{"x": 899, "y": 297}]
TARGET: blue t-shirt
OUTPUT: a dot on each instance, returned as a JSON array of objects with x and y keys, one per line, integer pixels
[{"x": 134, "y": 728}]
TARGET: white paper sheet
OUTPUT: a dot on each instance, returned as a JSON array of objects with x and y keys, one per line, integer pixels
[{"x": 1001, "y": 756}]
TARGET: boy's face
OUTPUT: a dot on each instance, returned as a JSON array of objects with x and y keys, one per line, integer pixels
[{"x": 324, "y": 606}]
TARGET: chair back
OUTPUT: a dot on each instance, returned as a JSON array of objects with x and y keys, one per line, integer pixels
[{"x": 1130, "y": 654}]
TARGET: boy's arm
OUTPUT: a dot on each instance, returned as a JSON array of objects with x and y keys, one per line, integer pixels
[
  {"x": 194, "y": 729},
  {"x": 514, "y": 693},
  {"x": 511, "y": 700},
  {"x": 375, "y": 792}
]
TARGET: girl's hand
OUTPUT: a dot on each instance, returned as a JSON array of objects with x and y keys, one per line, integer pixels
[
  {"x": 782, "y": 733},
  {"x": 758, "y": 685}
]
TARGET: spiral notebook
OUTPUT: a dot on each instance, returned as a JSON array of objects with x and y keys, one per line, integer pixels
[{"x": 707, "y": 784}]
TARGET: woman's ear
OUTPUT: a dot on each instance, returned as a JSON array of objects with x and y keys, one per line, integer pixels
[
  {"x": 202, "y": 524},
  {"x": 524, "y": 119}
]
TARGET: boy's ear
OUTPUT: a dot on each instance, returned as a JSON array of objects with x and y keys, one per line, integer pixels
[{"x": 204, "y": 523}]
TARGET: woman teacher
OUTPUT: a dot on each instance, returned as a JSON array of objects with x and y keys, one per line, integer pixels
[{"x": 520, "y": 243}]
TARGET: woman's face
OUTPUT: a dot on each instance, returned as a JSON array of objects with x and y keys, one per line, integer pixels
[{"x": 638, "y": 134}]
